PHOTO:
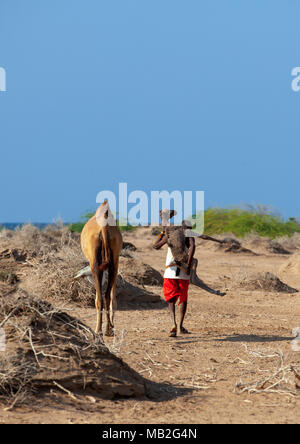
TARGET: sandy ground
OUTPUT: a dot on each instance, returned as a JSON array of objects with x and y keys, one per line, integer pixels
[{"x": 196, "y": 374}]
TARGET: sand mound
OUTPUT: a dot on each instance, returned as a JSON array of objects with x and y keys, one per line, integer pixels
[
  {"x": 46, "y": 347},
  {"x": 266, "y": 245},
  {"x": 138, "y": 273},
  {"x": 131, "y": 296},
  {"x": 232, "y": 245},
  {"x": 266, "y": 281},
  {"x": 133, "y": 276},
  {"x": 292, "y": 265}
]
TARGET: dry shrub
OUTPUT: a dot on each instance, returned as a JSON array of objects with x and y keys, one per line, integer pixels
[
  {"x": 8, "y": 272},
  {"x": 5, "y": 234},
  {"x": 129, "y": 246},
  {"x": 48, "y": 348},
  {"x": 5, "y": 288},
  {"x": 126, "y": 252},
  {"x": 277, "y": 248},
  {"x": 265, "y": 281},
  {"x": 280, "y": 377},
  {"x": 36, "y": 241},
  {"x": 232, "y": 245},
  {"x": 54, "y": 277},
  {"x": 8, "y": 276},
  {"x": 50, "y": 259},
  {"x": 290, "y": 243},
  {"x": 54, "y": 280},
  {"x": 10, "y": 258}
]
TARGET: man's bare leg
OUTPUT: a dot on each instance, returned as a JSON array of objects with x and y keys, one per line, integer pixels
[
  {"x": 171, "y": 304},
  {"x": 183, "y": 307}
]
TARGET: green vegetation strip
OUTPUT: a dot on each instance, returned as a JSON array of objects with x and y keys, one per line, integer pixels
[
  {"x": 241, "y": 222},
  {"x": 237, "y": 221}
]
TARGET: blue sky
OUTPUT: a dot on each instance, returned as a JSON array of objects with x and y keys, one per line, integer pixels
[{"x": 175, "y": 95}]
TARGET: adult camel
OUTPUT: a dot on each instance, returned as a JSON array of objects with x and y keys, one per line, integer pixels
[{"x": 101, "y": 243}]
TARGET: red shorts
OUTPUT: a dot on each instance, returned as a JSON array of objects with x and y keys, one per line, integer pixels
[{"x": 176, "y": 288}]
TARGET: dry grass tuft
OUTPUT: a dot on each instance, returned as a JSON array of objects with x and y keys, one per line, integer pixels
[
  {"x": 54, "y": 276},
  {"x": 48, "y": 348},
  {"x": 291, "y": 243}
]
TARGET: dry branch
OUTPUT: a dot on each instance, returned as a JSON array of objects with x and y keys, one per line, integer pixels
[{"x": 280, "y": 380}]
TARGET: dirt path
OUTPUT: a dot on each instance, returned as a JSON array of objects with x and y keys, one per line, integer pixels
[{"x": 196, "y": 373}]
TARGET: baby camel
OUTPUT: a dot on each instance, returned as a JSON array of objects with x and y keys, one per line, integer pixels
[{"x": 101, "y": 243}]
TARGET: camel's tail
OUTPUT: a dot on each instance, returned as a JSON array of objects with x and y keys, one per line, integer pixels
[
  {"x": 105, "y": 218},
  {"x": 105, "y": 253}
]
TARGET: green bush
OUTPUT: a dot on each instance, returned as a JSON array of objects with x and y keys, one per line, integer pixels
[
  {"x": 78, "y": 226},
  {"x": 240, "y": 222}
]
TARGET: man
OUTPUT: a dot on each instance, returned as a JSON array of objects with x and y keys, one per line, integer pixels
[{"x": 177, "y": 278}]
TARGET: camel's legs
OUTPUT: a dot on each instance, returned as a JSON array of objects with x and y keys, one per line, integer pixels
[
  {"x": 113, "y": 300},
  {"x": 97, "y": 277},
  {"x": 112, "y": 271}
]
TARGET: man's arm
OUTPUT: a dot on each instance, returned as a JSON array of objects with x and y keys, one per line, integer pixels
[{"x": 161, "y": 241}]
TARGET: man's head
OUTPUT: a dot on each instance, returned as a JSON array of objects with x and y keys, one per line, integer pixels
[{"x": 166, "y": 215}]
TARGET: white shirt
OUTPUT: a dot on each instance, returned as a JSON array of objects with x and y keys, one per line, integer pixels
[{"x": 170, "y": 272}]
